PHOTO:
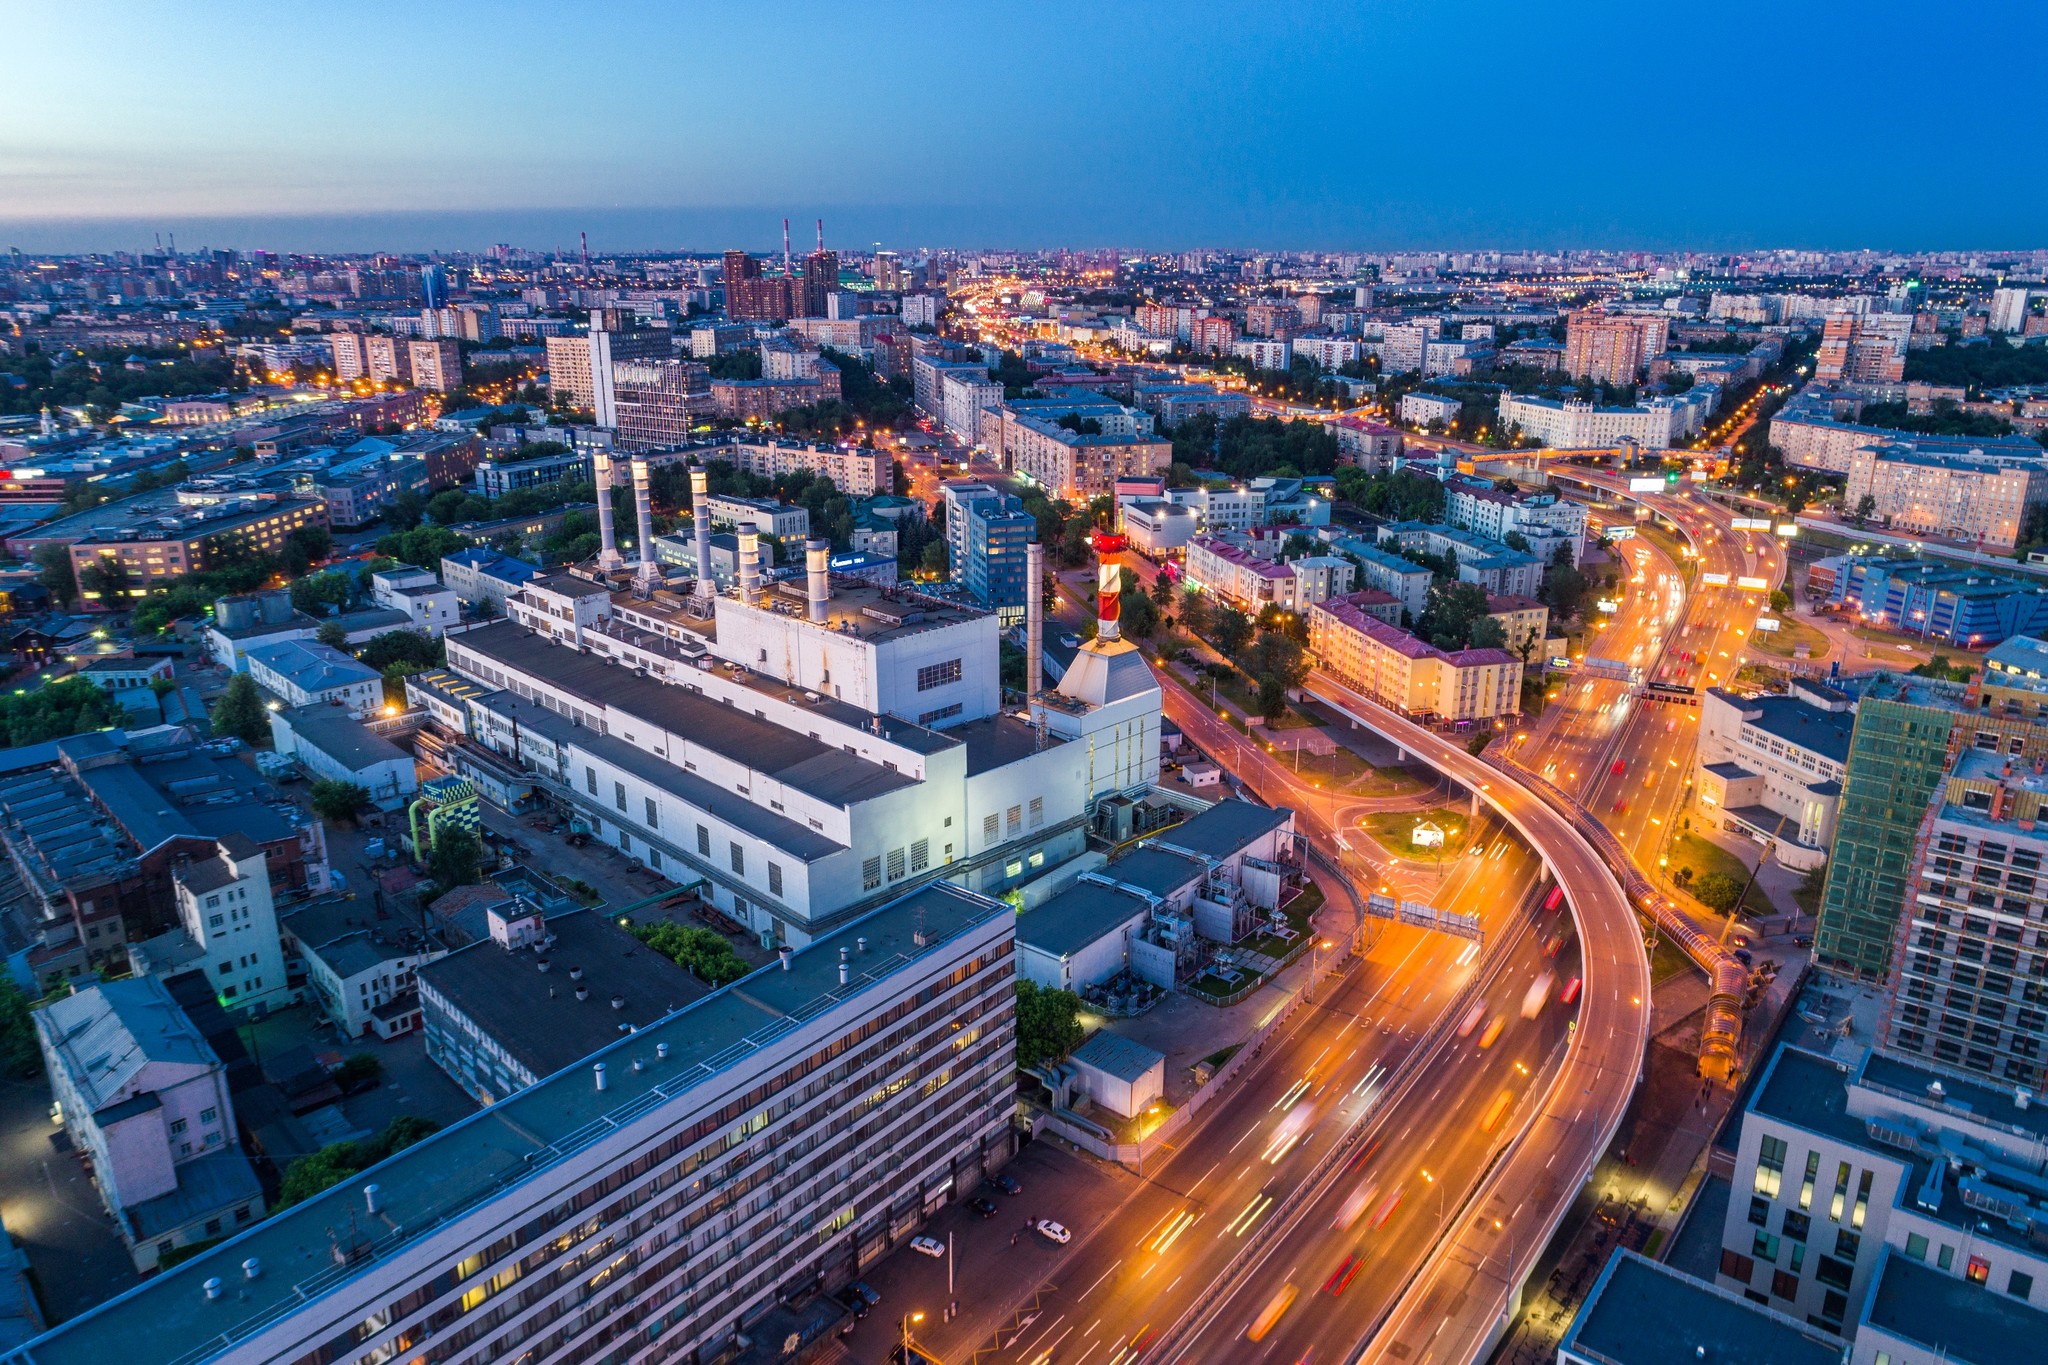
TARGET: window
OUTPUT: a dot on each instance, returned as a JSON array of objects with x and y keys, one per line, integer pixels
[
  {"x": 937, "y": 714},
  {"x": 177, "y": 1127},
  {"x": 1806, "y": 1184},
  {"x": 1763, "y": 1246},
  {"x": 653, "y": 814},
  {"x": 1862, "y": 1200},
  {"x": 1833, "y": 1306},
  {"x": 1848, "y": 1243},
  {"x": 213, "y": 921},
  {"x": 988, "y": 828},
  {"x": 704, "y": 841},
  {"x": 1947, "y": 1258},
  {"x": 871, "y": 874},
  {"x": 2020, "y": 1284},
  {"x": 1759, "y": 1210},
  {"x": 1783, "y": 1285},
  {"x": 1833, "y": 1272},
  {"x": 938, "y": 675},
  {"x": 225, "y": 968},
  {"x": 1037, "y": 811},
  {"x": 1795, "y": 1225},
  {"x": 1916, "y": 1245},
  {"x": 1770, "y": 1166},
  {"x": 1978, "y": 1270},
  {"x": 895, "y": 864},
  {"x": 1841, "y": 1195},
  {"x": 738, "y": 857},
  {"x": 209, "y": 1116},
  {"x": 590, "y": 780},
  {"x": 1013, "y": 821},
  {"x": 1736, "y": 1266}
]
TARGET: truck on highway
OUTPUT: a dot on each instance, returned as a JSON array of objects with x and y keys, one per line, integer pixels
[{"x": 1539, "y": 991}]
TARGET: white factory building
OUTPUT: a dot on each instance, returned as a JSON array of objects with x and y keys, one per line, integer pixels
[{"x": 809, "y": 750}]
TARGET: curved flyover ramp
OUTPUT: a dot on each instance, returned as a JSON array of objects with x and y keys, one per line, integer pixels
[{"x": 1465, "y": 1295}]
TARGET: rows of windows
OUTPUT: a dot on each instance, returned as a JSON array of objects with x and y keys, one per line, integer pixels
[{"x": 899, "y": 1034}]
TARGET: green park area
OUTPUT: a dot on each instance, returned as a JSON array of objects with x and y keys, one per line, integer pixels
[
  {"x": 1397, "y": 831},
  {"x": 1789, "y": 639},
  {"x": 1713, "y": 876}
]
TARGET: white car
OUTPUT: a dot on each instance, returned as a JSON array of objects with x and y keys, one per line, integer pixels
[
  {"x": 1053, "y": 1232},
  {"x": 927, "y": 1246}
]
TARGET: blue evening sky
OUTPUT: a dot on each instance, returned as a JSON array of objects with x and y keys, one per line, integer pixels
[{"x": 437, "y": 124}]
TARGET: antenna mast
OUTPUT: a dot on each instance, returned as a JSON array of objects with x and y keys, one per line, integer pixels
[
  {"x": 785, "y": 246},
  {"x": 584, "y": 237}
]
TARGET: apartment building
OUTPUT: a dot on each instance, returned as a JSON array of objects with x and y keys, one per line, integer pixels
[
  {"x": 1981, "y": 499},
  {"x": 1409, "y": 674},
  {"x": 1384, "y": 571},
  {"x": 182, "y": 539},
  {"x": 1372, "y": 446},
  {"x": 1076, "y": 465},
  {"x": 229, "y": 914},
  {"x": 1173, "y": 404},
  {"x": 1863, "y": 348},
  {"x": 1850, "y": 1178},
  {"x": 987, "y": 531},
  {"x": 1544, "y": 518},
  {"x": 1249, "y": 575},
  {"x": 1771, "y": 767},
  {"x": 1499, "y": 568},
  {"x": 781, "y": 520},
  {"x": 1611, "y": 348},
  {"x": 308, "y": 673},
  {"x": 781, "y": 1133},
  {"x": 436, "y": 364},
  {"x": 1574, "y": 424},
  {"x": 854, "y": 471}
]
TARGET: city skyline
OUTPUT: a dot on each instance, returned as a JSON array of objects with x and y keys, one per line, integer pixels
[{"x": 1280, "y": 129}]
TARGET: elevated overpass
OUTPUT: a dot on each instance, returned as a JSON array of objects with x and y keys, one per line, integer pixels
[{"x": 1468, "y": 1291}]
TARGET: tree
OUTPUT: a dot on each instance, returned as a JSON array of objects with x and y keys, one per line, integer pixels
[
  {"x": 1565, "y": 590},
  {"x": 332, "y": 634},
  {"x": 239, "y": 712},
  {"x": 106, "y": 578},
  {"x": 703, "y": 951},
  {"x": 305, "y": 547},
  {"x": 1162, "y": 591},
  {"x": 936, "y": 559},
  {"x": 1866, "y": 507},
  {"x": 1272, "y": 697},
  {"x": 54, "y": 572},
  {"x": 20, "y": 1055},
  {"x": 1138, "y": 616},
  {"x": 357, "y": 1072},
  {"x": 1233, "y": 631},
  {"x": 1717, "y": 891},
  {"x": 1477, "y": 744},
  {"x": 403, "y": 646},
  {"x": 1781, "y": 600},
  {"x": 395, "y": 675},
  {"x": 457, "y": 859},
  {"x": 339, "y": 801},
  {"x": 338, "y": 1161},
  {"x": 1197, "y": 612},
  {"x": 1487, "y": 633},
  {"x": 1048, "y": 1024}
]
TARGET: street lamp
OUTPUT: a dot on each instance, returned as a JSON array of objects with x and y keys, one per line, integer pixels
[{"x": 909, "y": 1318}]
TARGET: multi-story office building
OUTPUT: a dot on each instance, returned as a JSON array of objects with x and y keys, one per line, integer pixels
[
  {"x": 1967, "y": 607},
  {"x": 1640, "y": 1310},
  {"x": 781, "y": 1133},
  {"x": 1384, "y": 571},
  {"x": 145, "y": 1098},
  {"x": 1400, "y": 348},
  {"x": 653, "y": 404},
  {"x": 986, "y": 532},
  {"x": 1071, "y": 464},
  {"x": 964, "y": 395},
  {"x": 753, "y": 296},
  {"x": 1849, "y": 1176},
  {"x": 1392, "y": 666},
  {"x": 1863, "y": 348},
  {"x": 494, "y": 478},
  {"x": 782, "y": 520},
  {"x": 1771, "y": 767},
  {"x": 1976, "y": 498},
  {"x": 576, "y": 363},
  {"x": 189, "y": 539},
  {"x": 229, "y": 914},
  {"x": 920, "y": 310}
]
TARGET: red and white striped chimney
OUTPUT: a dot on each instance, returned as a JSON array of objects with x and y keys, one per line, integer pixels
[{"x": 1109, "y": 550}]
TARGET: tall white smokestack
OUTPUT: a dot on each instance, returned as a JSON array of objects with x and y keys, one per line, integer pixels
[
  {"x": 608, "y": 557},
  {"x": 750, "y": 566},
  {"x": 1034, "y": 619},
  {"x": 700, "y": 520},
  {"x": 643, "y": 507},
  {"x": 817, "y": 578}
]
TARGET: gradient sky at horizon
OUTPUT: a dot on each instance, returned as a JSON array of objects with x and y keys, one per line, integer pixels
[{"x": 1370, "y": 126}]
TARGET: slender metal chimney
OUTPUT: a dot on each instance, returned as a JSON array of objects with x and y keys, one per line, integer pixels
[
  {"x": 845, "y": 966},
  {"x": 1109, "y": 549},
  {"x": 750, "y": 566},
  {"x": 643, "y": 507},
  {"x": 608, "y": 557},
  {"x": 700, "y": 521},
  {"x": 817, "y": 578},
  {"x": 1034, "y": 619},
  {"x": 598, "y": 1071}
]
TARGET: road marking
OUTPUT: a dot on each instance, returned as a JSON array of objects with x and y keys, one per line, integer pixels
[
  {"x": 1100, "y": 1278},
  {"x": 1247, "y": 1133}
]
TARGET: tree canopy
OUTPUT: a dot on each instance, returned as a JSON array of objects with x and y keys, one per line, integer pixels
[{"x": 1048, "y": 1024}]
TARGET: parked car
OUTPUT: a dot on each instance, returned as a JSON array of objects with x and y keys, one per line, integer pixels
[
  {"x": 1053, "y": 1232},
  {"x": 864, "y": 1291},
  {"x": 1007, "y": 1183},
  {"x": 928, "y": 1246},
  {"x": 981, "y": 1206}
]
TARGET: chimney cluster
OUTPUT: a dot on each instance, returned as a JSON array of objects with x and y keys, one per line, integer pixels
[
  {"x": 818, "y": 579},
  {"x": 643, "y": 507},
  {"x": 608, "y": 557},
  {"x": 700, "y": 522},
  {"x": 1034, "y": 619}
]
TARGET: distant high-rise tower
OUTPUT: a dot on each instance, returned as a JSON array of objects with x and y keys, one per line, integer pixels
[{"x": 434, "y": 287}]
